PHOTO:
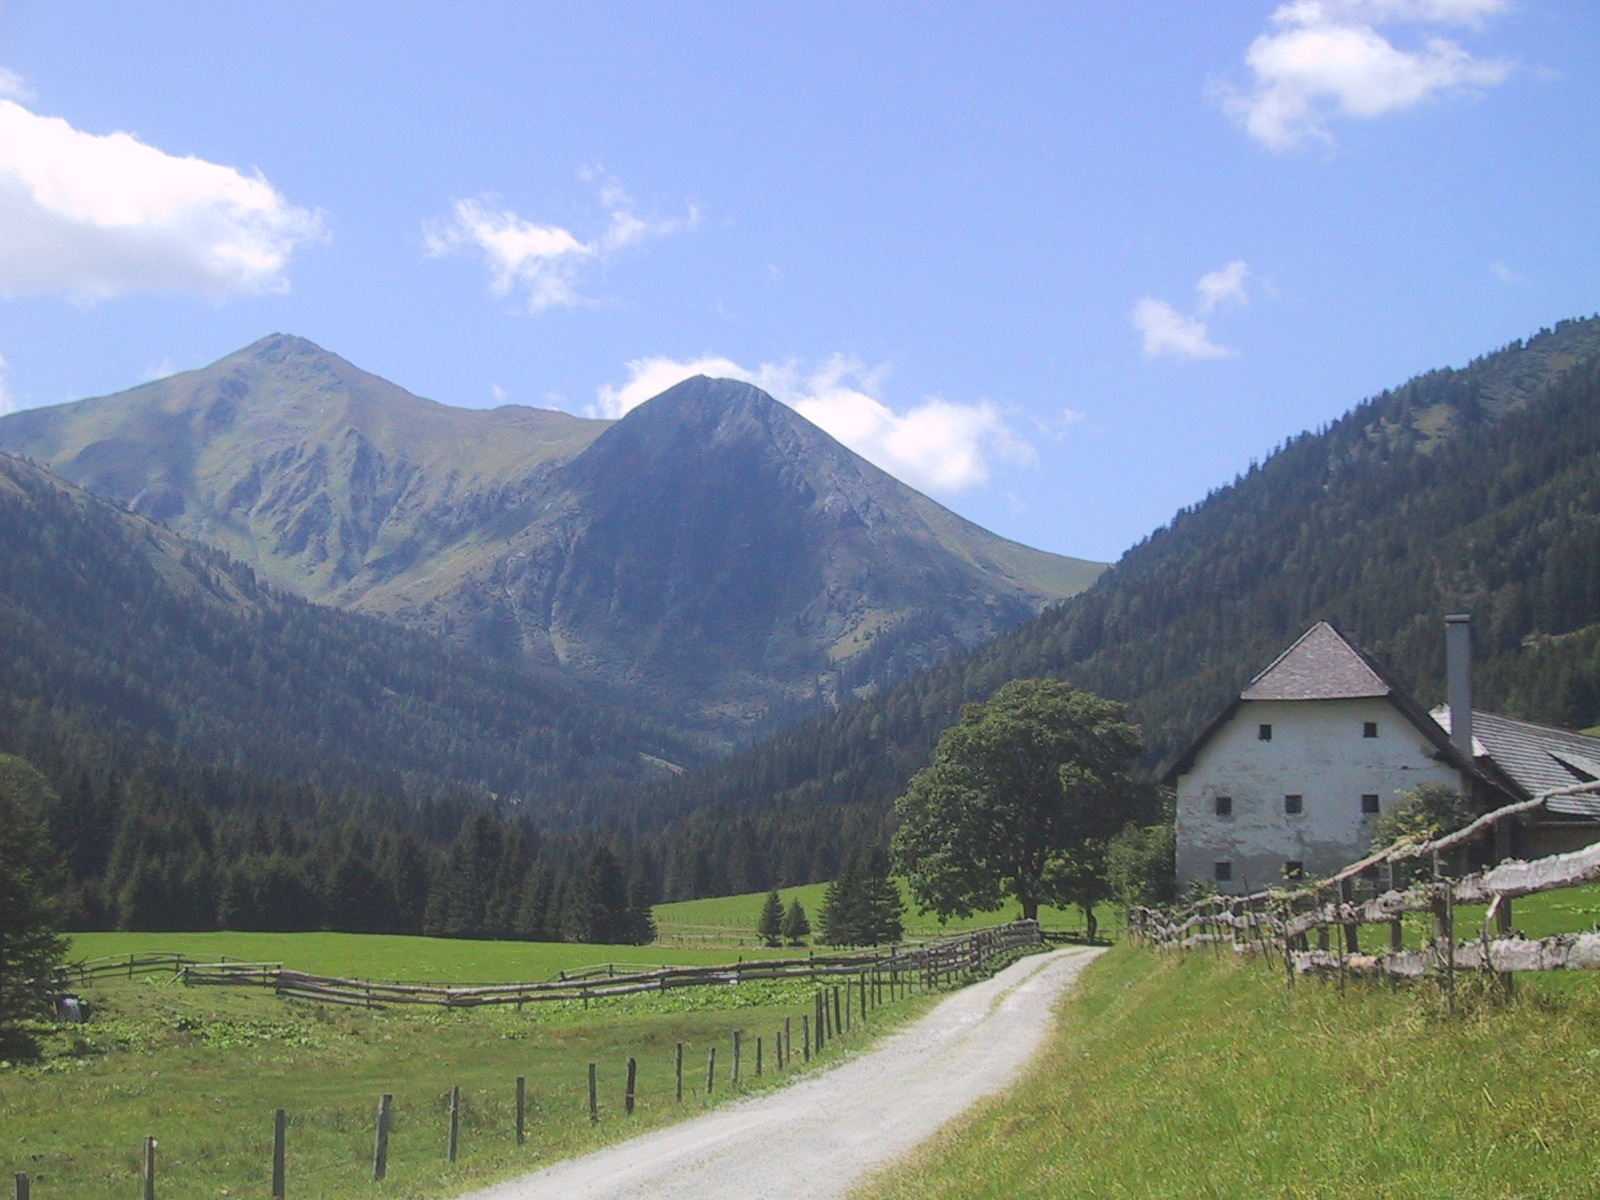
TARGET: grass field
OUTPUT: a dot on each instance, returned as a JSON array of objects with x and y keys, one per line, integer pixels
[
  {"x": 731, "y": 920},
  {"x": 201, "y": 1069},
  {"x": 391, "y": 957},
  {"x": 1203, "y": 1075}
]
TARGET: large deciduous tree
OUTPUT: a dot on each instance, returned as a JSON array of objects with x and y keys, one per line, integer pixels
[{"x": 1022, "y": 791}]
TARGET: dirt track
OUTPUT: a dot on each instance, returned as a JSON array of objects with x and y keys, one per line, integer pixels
[{"x": 819, "y": 1137}]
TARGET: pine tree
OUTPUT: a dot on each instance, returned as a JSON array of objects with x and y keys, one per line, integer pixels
[
  {"x": 770, "y": 923},
  {"x": 29, "y": 945},
  {"x": 796, "y": 927}
]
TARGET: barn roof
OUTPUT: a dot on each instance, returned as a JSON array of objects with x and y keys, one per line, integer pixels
[{"x": 1537, "y": 758}]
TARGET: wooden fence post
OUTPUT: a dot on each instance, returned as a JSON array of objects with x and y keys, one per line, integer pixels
[
  {"x": 149, "y": 1168},
  {"x": 627, "y": 1096},
  {"x": 380, "y": 1145},
  {"x": 711, "y": 1069},
  {"x": 805, "y": 1038},
  {"x": 455, "y": 1118},
  {"x": 733, "y": 1077},
  {"x": 280, "y": 1124},
  {"x": 594, "y": 1094},
  {"x": 836, "y": 1009},
  {"x": 680, "y": 1073},
  {"x": 22, "y": 1185},
  {"x": 758, "y": 1056},
  {"x": 788, "y": 1044},
  {"x": 522, "y": 1109}
]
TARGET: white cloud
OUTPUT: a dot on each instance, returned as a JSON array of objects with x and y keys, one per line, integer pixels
[
  {"x": 95, "y": 216},
  {"x": 1325, "y": 58},
  {"x": 1504, "y": 274},
  {"x": 937, "y": 445},
  {"x": 13, "y": 86},
  {"x": 159, "y": 370},
  {"x": 499, "y": 393},
  {"x": 1225, "y": 285},
  {"x": 8, "y": 403},
  {"x": 1169, "y": 333},
  {"x": 543, "y": 263}
]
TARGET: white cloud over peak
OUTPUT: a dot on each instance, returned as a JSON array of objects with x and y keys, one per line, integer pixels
[
  {"x": 543, "y": 263},
  {"x": 937, "y": 445},
  {"x": 1326, "y": 58},
  {"x": 8, "y": 403},
  {"x": 95, "y": 216}
]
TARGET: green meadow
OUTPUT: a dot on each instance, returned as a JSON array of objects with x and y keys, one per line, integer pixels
[
  {"x": 1203, "y": 1074},
  {"x": 201, "y": 1069},
  {"x": 731, "y": 920}
]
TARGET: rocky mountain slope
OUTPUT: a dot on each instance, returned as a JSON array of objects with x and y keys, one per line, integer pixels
[{"x": 711, "y": 558}]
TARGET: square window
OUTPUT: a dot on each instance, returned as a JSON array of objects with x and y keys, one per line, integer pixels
[
  {"x": 1264, "y": 733},
  {"x": 1294, "y": 804},
  {"x": 1294, "y": 869},
  {"x": 1369, "y": 803},
  {"x": 1222, "y": 871},
  {"x": 1369, "y": 729},
  {"x": 1224, "y": 806}
]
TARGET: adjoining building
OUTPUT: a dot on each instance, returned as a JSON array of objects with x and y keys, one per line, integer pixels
[{"x": 1290, "y": 779}]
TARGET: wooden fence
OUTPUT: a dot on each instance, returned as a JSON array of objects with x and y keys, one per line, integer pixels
[
  {"x": 938, "y": 958},
  {"x": 1280, "y": 921}
]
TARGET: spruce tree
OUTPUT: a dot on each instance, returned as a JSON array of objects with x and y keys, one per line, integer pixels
[
  {"x": 29, "y": 945},
  {"x": 796, "y": 926},
  {"x": 770, "y": 924}
]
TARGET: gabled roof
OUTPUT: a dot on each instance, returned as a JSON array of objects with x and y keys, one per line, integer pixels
[
  {"x": 1320, "y": 666},
  {"x": 1536, "y": 758},
  {"x": 1323, "y": 665}
]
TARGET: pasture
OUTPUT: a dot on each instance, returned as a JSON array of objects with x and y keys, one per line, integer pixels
[{"x": 202, "y": 1069}]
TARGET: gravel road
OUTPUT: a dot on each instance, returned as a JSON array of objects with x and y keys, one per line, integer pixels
[{"x": 820, "y": 1136}]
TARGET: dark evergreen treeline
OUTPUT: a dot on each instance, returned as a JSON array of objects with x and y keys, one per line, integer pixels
[
  {"x": 204, "y": 848},
  {"x": 1464, "y": 490}
]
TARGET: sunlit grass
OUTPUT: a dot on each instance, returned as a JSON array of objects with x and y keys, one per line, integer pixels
[
  {"x": 1203, "y": 1074},
  {"x": 202, "y": 1069}
]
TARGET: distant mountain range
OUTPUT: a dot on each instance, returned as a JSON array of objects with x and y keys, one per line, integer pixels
[{"x": 712, "y": 559}]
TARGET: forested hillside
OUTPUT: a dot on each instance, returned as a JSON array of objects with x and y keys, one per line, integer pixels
[
  {"x": 116, "y": 631},
  {"x": 1463, "y": 490}
]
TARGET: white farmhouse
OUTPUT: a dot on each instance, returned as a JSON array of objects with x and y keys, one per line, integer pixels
[{"x": 1290, "y": 779}]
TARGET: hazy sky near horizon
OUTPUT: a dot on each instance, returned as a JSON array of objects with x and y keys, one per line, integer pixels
[{"x": 1064, "y": 266}]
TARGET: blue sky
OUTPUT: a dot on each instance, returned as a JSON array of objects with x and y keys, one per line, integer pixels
[{"x": 1064, "y": 266}]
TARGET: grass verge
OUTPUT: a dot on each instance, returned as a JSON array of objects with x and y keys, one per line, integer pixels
[{"x": 1203, "y": 1075}]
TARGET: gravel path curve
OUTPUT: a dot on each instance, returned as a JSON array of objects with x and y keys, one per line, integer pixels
[{"x": 820, "y": 1136}]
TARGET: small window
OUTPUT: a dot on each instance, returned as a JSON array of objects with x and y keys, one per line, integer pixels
[
  {"x": 1369, "y": 803},
  {"x": 1294, "y": 869},
  {"x": 1370, "y": 872},
  {"x": 1264, "y": 733},
  {"x": 1224, "y": 806},
  {"x": 1222, "y": 871},
  {"x": 1294, "y": 804},
  {"x": 1369, "y": 729}
]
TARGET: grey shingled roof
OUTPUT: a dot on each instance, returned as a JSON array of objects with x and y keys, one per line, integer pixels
[
  {"x": 1320, "y": 666},
  {"x": 1538, "y": 758}
]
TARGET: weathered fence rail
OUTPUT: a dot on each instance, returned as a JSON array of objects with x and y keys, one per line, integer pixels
[
  {"x": 944, "y": 957},
  {"x": 1279, "y": 921}
]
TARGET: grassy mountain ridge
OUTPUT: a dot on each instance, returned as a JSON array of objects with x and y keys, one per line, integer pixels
[
  {"x": 712, "y": 557},
  {"x": 1475, "y": 489}
]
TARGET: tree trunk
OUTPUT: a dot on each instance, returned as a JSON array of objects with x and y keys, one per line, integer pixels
[{"x": 1030, "y": 908}]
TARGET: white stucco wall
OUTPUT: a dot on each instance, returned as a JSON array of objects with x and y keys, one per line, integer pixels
[{"x": 1317, "y": 751}]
